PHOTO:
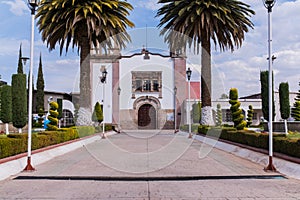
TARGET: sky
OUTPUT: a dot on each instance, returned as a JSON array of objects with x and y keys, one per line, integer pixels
[{"x": 239, "y": 69}]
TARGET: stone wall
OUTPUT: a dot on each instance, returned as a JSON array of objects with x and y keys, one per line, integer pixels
[{"x": 279, "y": 126}]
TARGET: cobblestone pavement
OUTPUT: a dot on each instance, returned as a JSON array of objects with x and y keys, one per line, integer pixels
[{"x": 149, "y": 165}]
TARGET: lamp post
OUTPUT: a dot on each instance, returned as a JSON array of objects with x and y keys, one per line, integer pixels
[
  {"x": 32, "y": 4},
  {"x": 188, "y": 74},
  {"x": 119, "y": 121},
  {"x": 269, "y": 5},
  {"x": 175, "y": 110},
  {"x": 103, "y": 80}
]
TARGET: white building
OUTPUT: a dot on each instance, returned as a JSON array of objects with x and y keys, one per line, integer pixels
[{"x": 139, "y": 88}]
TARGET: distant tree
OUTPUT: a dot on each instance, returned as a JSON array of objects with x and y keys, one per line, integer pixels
[
  {"x": 224, "y": 96},
  {"x": 284, "y": 100},
  {"x": 219, "y": 115},
  {"x": 264, "y": 80},
  {"x": 237, "y": 116},
  {"x": 19, "y": 101},
  {"x": 296, "y": 107},
  {"x": 20, "y": 63},
  {"x": 52, "y": 126},
  {"x": 296, "y": 111},
  {"x": 6, "y": 106},
  {"x": 249, "y": 116},
  {"x": 97, "y": 114},
  {"x": 298, "y": 94},
  {"x": 196, "y": 112},
  {"x": 40, "y": 119},
  {"x": 40, "y": 85}
]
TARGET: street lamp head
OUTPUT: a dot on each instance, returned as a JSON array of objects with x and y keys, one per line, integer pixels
[
  {"x": 146, "y": 56},
  {"x": 269, "y": 4},
  {"x": 24, "y": 59},
  {"x": 189, "y": 73},
  {"x": 104, "y": 74},
  {"x": 33, "y": 4}
]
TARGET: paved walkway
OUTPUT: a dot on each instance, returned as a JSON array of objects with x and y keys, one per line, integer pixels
[{"x": 149, "y": 165}]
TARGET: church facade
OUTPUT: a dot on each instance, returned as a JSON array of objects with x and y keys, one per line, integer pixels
[{"x": 142, "y": 90}]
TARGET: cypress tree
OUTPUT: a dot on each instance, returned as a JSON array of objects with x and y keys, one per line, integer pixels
[
  {"x": 20, "y": 64},
  {"x": 40, "y": 119},
  {"x": 196, "y": 112},
  {"x": 40, "y": 85},
  {"x": 6, "y": 105},
  {"x": 219, "y": 115},
  {"x": 284, "y": 100},
  {"x": 264, "y": 80},
  {"x": 52, "y": 126},
  {"x": 97, "y": 114},
  {"x": 19, "y": 100},
  {"x": 249, "y": 115},
  {"x": 237, "y": 116}
]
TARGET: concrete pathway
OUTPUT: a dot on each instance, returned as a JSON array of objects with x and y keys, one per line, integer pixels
[{"x": 149, "y": 165}]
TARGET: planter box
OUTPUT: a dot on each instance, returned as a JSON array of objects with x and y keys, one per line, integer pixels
[{"x": 279, "y": 126}]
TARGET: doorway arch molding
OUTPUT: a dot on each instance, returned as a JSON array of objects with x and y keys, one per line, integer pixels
[{"x": 146, "y": 100}]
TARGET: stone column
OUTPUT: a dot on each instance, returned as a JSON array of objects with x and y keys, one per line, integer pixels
[
  {"x": 115, "y": 96},
  {"x": 181, "y": 85}
]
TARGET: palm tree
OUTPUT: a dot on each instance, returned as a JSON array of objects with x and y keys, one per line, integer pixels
[
  {"x": 83, "y": 24},
  {"x": 200, "y": 21}
]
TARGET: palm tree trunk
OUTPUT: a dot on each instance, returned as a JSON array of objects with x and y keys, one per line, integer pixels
[
  {"x": 206, "y": 111},
  {"x": 85, "y": 81},
  {"x": 85, "y": 110}
]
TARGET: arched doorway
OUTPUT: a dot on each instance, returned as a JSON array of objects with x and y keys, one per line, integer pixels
[{"x": 147, "y": 117}]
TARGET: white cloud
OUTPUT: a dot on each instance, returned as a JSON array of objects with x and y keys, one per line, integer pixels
[
  {"x": 17, "y": 7},
  {"x": 149, "y": 4},
  {"x": 12, "y": 46}
]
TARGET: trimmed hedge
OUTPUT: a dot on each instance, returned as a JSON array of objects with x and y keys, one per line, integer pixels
[
  {"x": 281, "y": 144},
  {"x": 17, "y": 143}
]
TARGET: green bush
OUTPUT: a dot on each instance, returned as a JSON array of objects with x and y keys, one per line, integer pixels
[
  {"x": 83, "y": 131},
  {"x": 17, "y": 143},
  {"x": 194, "y": 128},
  {"x": 282, "y": 144}
]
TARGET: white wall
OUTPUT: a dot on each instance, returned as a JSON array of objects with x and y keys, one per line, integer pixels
[
  {"x": 98, "y": 86},
  {"x": 155, "y": 63}
]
